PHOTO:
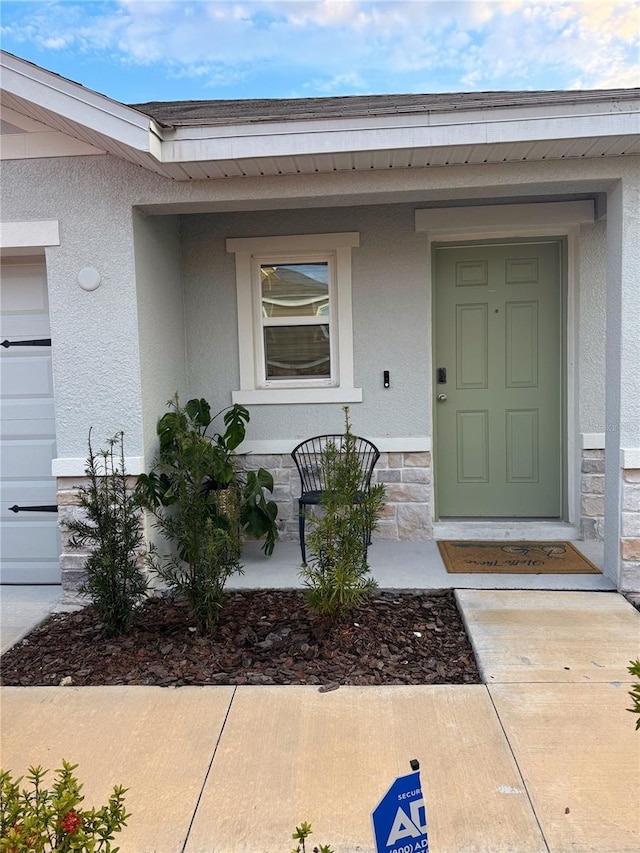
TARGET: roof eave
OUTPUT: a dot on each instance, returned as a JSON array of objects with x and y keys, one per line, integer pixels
[
  {"x": 273, "y": 147},
  {"x": 81, "y": 108},
  {"x": 309, "y": 139}
]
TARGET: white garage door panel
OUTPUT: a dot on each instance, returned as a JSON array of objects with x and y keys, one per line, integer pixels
[
  {"x": 25, "y": 327},
  {"x": 37, "y": 493},
  {"x": 21, "y": 459},
  {"x": 26, "y": 427},
  {"x": 24, "y": 289},
  {"x": 27, "y": 376},
  {"x": 37, "y": 571},
  {"x": 40, "y": 537},
  {"x": 30, "y": 540}
]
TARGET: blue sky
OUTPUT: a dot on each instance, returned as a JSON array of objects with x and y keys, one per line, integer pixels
[{"x": 142, "y": 50}]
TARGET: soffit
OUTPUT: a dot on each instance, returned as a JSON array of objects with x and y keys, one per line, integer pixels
[{"x": 408, "y": 158}]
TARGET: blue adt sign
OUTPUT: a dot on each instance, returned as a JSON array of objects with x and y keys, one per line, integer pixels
[{"x": 400, "y": 818}]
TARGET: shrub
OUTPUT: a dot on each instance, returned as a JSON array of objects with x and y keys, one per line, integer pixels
[
  {"x": 301, "y": 834},
  {"x": 39, "y": 820},
  {"x": 337, "y": 573},
  {"x": 201, "y": 502},
  {"x": 112, "y": 529}
]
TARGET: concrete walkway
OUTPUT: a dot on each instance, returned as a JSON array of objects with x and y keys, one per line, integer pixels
[
  {"x": 542, "y": 758},
  {"x": 22, "y": 608}
]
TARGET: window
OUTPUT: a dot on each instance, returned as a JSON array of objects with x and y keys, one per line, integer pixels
[
  {"x": 295, "y": 318},
  {"x": 295, "y": 309}
]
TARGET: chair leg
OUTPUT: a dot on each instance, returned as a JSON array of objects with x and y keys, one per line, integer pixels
[{"x": 301, "y": 520}]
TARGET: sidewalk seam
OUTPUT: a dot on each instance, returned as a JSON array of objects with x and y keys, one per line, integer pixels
[
  {"x": 206, "y": 775},
  {"x": 515, "y": 760}
]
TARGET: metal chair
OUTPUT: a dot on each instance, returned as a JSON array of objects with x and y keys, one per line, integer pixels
[{"x": 308, "y": 458}]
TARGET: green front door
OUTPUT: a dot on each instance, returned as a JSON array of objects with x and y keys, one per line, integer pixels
[{"x": 497, "y": 380}]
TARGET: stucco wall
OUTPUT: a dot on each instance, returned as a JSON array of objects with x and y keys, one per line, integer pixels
[
  {"x": 591, "y": 324},
  {"x": 390, "y": 309},
  {"x": 119, "y": 351},
  {"x": 163, "y": 363},
  {"x": 98, "y": 369}
]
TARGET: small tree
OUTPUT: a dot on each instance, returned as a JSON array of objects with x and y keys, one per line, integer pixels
[
  {"x": 337, "y": 574},
  {"x": 112, "y": 529},
  {"x": 201, "y": 502}
]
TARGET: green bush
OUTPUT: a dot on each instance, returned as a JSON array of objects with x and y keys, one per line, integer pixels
[
  {"x": 112, "y": 529},
  {"x": 301, "y": 834},
  {"x": 201, "y": 503},
  {"x": 337, "y": 573},
  {"x": 38, "y": 820}
]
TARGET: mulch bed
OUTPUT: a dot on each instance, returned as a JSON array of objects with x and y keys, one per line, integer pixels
[{"x": 264, "y": 637}]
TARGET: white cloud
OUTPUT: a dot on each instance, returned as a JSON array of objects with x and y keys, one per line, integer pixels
[
  {"x": 352, "y": 45},
  {"x": 338, "y": 84}
]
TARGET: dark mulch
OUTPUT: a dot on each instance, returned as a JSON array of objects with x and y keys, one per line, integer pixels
[{"x": 264, "y": 637}]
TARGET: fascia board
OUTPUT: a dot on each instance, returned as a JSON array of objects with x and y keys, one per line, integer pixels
[
  {"x": 240, "y": 142},
  {"x": 77, "y": 104},
  {"x": 400, "y": 121}
]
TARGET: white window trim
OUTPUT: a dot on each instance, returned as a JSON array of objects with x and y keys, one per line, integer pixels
[{"x": 247, "y": 250}]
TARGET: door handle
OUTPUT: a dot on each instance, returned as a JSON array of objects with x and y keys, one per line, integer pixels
[{"x": 441, "y": 398}]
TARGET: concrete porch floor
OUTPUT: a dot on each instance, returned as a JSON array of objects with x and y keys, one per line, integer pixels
[{"x": 410, "y": 565}]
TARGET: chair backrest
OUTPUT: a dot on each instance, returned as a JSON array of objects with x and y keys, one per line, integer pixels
[{"x": 308, "y": 458}]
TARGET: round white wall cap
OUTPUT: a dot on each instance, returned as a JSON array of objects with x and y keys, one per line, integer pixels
[{"x": 89, "y": 278}]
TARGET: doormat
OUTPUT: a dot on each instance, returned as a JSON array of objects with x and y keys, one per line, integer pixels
[{"x": 518, "y": 558}]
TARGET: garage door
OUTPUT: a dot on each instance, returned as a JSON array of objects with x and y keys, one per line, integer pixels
[{"x": 30, "y": 539}]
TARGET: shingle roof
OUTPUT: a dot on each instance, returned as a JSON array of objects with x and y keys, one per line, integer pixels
[{"x": 221, "y": 112}]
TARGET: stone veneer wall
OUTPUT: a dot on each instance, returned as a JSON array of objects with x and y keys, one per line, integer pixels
[
  {"x": 71, "y": 560},
  {"x": 592, "y": 497},
  {"x": 630, "y": 533},
  {"x": 406, "y": 477}
]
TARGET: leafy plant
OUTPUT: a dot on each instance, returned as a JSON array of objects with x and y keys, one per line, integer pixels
[
  {"x": 112, "y": 530},
  {"x": 337, "y": 573},
  {"x": 634, "y": 669},
  {"x": 41, "y": 820},
  {"x": 201, "y": 502},
  {"x": 301, "y": 834}
]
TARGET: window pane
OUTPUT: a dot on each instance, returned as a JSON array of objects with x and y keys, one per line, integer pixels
[
  {"x": 297, "y": 351},
  {"x": 295, "y": 290}
]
